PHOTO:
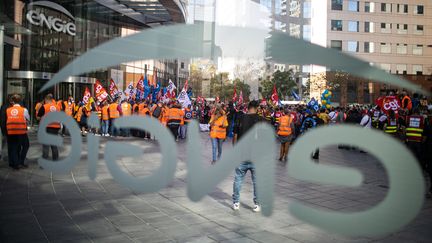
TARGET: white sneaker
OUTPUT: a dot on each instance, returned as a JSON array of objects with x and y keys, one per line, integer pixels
[
  {"x": 236, "y": 206},
  {"x": 257, "y": 208}
]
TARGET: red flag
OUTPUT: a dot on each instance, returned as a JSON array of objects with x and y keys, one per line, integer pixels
[
  {"x": 240, "y": 100},
  {"x": 388, "y": 103},
  {"x": 185, "y": 87},
  {"x": 274, "y": 96},
  {"x": 113, "y": 88},
  {"x": 159, "y": 95},
  {"x": 86, "y": 96},
  {"x": 234, "y": 98},
  {"x": 263, "y": 102},
  {"x": 140, "y": 84},
  {"x": 100, "y": 91}
]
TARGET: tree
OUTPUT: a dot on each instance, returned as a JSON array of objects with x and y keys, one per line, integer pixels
[
  {"x": 226, "y": 91},
  {"x": 284, "y": 81}
]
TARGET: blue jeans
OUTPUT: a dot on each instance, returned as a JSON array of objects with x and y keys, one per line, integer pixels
[
  {"x": 114, "y": 130},
  {"x": 105, "y": 126},
  {"x": 240, "y": 173},
  {"x": 182, "y": 131},
  {"x": 217, "y": 145}
]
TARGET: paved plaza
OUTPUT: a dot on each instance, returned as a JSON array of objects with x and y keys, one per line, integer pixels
[{"x": 36, "y": 206}]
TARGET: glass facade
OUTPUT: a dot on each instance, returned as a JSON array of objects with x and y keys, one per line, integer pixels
[{"x": 56, "y": 33}]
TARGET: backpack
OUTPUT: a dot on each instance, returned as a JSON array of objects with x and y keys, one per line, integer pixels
[{"x": 157, "y": 112}]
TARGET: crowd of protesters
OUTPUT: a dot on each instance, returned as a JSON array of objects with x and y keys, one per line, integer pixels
[{"x": 410, "y": 122}]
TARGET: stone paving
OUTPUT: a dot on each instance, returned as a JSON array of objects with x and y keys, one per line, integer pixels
[{"x": 36, "y": 206}]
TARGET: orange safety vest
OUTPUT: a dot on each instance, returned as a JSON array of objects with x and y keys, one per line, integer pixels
[
  {"x": 126, "y": 109},
  {"x": 143, "y": 110},
  {"x": 59, "y": 105},
  {"x": 68, "y": 108},
  {"x": 409, "y": 105},
  {"x": 16, "y": 123},
  {"x": 51, "y": 108},
  {"x": 79, "y": 114},
  {"x": 99, "y": 112},
  {"x": 174, "y": 116},
  {"x": 113, "y": 112},
  {"x": 218, "y": 130},
  {"x": 105, "y": 115},
  {"x": 285, "y": 126}
]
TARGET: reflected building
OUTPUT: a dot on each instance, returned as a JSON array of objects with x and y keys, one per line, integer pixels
[
  {"x": 392, "y": 35},
  {"x": 41, "y": 37}
]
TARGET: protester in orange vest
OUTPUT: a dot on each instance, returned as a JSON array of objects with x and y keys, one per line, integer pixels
[
  {"x": 126, "y": 110},
  {"x": 53, "y": 128},
  {"x": 85, "y": 113},
  {"x": 406, "y": 102},
  {"x": 285, "y": 132},
  {"x": 157, "y": 111},
  {"x": 105, "y": 118},
  {"x": 143, "y": 110},
  {"x": 174, "y": 119},
  {"x": 68, "y": 106},
  {"x": 218, "y": 126},
  {"x": 38, "y": 106},
  {"x": 16, "y": 127},
  {"x": 114, "y": 113}
]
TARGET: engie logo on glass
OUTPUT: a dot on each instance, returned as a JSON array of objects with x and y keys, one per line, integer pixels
[
  {"x": 35, "y": 17},
  {"x": 406, "y": 190}
]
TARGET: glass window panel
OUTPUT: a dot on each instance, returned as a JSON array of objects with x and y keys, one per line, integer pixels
[
  {"x": 418, "y": 50},
  {"x": 353, "y": 46},
  {"x": 353, "y": 26},
  {"x": 385, "y": 48},
  {"x": 353, "y": 6},
  {"x": 336, "y": 44},
  {"x": 336, "y": 25},
  {"x": 369, "y": 7},
  {"x": 337, "y": 4}
]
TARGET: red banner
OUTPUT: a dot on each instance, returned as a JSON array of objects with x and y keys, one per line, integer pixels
[
  {"x": 388, "y": 103},
  {"x": 100, "y": 92},
  {"x": 86, "y": 96},
  {"x": 234, "y": 98},
  {"x": 274, "y": 96},
  {"x": 240, "y": 100},
  {"x": 113, "y": 88}
]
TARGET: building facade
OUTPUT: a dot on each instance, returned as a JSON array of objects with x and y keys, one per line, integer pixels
[
  {"x": 41, "y": 37},
  {"x": 393, "y": 35}
]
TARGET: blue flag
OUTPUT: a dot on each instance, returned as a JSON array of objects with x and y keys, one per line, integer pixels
[
  {"x": 147, "y": 87},
  {"x": 295, "y": 95},
  {"x": 156, "y": 91},
  {"x": 189, "y": 93}
]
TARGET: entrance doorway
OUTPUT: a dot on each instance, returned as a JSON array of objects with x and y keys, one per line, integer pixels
[
  {"x": 29, "y": 91},
  {"x": 28, "y": 84}
]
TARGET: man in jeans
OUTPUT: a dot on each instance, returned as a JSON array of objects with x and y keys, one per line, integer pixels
[{"x": 242, "y": 126}]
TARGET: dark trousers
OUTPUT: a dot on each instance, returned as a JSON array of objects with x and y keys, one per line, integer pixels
[
  {"x": 54, "y": 149},
  {"x": 18, "y": 146},
  {"x": 174, "y": 130},
  {"x": 315, "y": 154},
  {"x": 417, "y": 149}
]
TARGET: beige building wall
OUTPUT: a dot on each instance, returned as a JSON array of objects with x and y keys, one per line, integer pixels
[{"x": 392, "y": 36}]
